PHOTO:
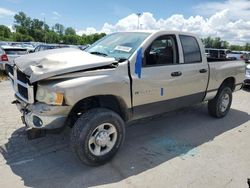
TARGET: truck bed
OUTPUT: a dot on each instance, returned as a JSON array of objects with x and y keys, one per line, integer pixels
[{"x": 220, "y": 70}]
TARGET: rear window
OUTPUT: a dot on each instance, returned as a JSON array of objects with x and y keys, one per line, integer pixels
[
  {"x": 191, "y": 49},
  {"x": 15, "y": 51}
]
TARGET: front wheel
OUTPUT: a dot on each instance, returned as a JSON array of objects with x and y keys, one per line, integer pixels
[
  {"x": 220, "y": 105},
  {"x": 97, "y": 135}
]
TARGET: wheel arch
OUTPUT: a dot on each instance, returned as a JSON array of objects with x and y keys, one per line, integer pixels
[
  {"x": 229, "y": 82},
  {"x": 112, "y": 102}
]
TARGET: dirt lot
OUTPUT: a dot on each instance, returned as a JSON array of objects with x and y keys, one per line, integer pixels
[{"x": 186, "y": 148}]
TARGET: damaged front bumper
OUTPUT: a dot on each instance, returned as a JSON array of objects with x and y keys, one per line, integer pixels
[{"x": 42, "y": 116}]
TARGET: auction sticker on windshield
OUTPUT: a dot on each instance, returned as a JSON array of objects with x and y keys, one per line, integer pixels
[{"x": 123, "y": 48}]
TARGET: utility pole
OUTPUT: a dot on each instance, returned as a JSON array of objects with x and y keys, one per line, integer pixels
[{"x": 139, "y": 15}]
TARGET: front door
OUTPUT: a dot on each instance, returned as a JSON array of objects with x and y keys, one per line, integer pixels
[{"x": 164, "y": 83}]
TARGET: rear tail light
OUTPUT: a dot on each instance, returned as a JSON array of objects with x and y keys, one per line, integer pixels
[
  {"x": 4, "y": 57},
  {"x": 241, "y": 57}
]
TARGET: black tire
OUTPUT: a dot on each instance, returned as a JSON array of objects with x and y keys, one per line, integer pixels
[
  {"x": 214, "y": 108},
  {"x": 84, "y": 128}
]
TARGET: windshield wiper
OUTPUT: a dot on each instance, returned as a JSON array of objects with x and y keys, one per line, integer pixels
[
  {"x": 121, "y": 59},
  {"x": 99, "y": 53}
]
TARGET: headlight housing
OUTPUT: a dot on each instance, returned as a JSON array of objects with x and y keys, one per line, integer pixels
[{"x": 49, "y": 97}]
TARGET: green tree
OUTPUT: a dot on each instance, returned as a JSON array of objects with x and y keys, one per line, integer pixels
[
  {"x": 22, "y": 23},
  {"x": 59, "y": 28},
  {"x": 37, "y": 24},
  {"x": 19, "y": 37},
  {"x": 210, "y": 42},
  {"x": 70, "y": 31},
  {"x": 52, "y": 37},
  {"x": 90, "y": 39},
  {"x": 247, "y": 47},
  {"x": 5, "y": 32},
  {"x": 236, "y": 47}
]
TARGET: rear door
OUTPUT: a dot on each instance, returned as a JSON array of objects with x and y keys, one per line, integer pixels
[
  {"x": 173, "y": 75},
  {"x": 194, "y": 68}
]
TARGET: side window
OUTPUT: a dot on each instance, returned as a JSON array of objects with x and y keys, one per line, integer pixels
[
  {"x": 42, "y": 48},
  {"x": 223, "y": 54},
  {"x": 191, "y": 49},
  {"x": 37, "y": 48},
  {"x": 162, "y": 51}
]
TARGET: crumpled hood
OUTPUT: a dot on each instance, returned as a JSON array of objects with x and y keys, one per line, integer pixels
[{"x": 49, "y": 63}]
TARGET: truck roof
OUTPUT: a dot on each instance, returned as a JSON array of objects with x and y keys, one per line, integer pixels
[{"x": 158, "y": 31}]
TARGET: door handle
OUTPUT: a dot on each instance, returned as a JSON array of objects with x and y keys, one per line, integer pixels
[
  {"x": 203, "y": 70},
  {"x": 178, "y": 73}
]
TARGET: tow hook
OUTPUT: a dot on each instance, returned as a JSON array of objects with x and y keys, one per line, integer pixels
[{"x": 15, "y": 102}]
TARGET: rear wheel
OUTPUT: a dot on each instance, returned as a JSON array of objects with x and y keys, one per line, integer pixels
[
  {"x": 220, "y": 105},
  {"x": 97, "y": 135}
]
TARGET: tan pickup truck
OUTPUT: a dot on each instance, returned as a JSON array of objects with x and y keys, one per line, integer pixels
[{"x": 120, "y": 78}]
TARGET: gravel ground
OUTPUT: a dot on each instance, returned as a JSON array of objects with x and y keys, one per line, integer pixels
[{"x": 186, "y": 148}]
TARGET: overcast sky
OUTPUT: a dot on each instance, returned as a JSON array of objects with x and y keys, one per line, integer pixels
[{"x": 228, "y": 19}]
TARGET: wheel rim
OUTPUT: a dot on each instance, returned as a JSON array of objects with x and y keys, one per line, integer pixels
[
  {"x": 102, "y": 139},
  {"x": 225, "y": 100}
]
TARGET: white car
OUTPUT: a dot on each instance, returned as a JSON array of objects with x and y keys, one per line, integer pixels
[
  {"x": 29, "y": 47},
  {"x": 246, "y": 57},
  {"x": 234, "y": 55},
  {"x": 9, "y": 53}
]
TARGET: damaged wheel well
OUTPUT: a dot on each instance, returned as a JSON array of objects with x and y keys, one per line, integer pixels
[{"x": 111, "y": 102}]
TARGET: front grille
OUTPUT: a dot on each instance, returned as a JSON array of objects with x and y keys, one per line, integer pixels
[
  {"x": 21, "y": 85},
  {"x": 23, "y": 91},
  {"x": 22, "y": 77},
  {"x": 9, "y": 69}
]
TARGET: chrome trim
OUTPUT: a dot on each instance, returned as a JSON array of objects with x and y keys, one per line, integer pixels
[
  {"x": 17, "y": 82},
  {"x": 11, "y": 76},
  {"x": 15, "y": 79}
]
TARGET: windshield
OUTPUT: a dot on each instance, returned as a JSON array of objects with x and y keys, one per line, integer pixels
[{"x": 118, "y": 45}]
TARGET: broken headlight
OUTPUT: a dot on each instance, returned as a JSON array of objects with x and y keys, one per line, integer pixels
[{"x": 49, "y": 97}]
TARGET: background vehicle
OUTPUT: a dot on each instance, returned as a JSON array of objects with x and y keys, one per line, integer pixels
[
  {"x": 29, "y": 47},
  {"x": 247, "y": 80},
  {"x": 2, "y": 43},
  {"x": 216, "y": 54},
  {"x": 9, "y": 53},
  {"x": 83, "y": 47},
  {"x": 43, "y": 47},
  {"x": 234, "y": 55},
  {"x": 120, "y": 78},
  {"x": 3, "y": 59},
  {"x": 246, "y": 57}
]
